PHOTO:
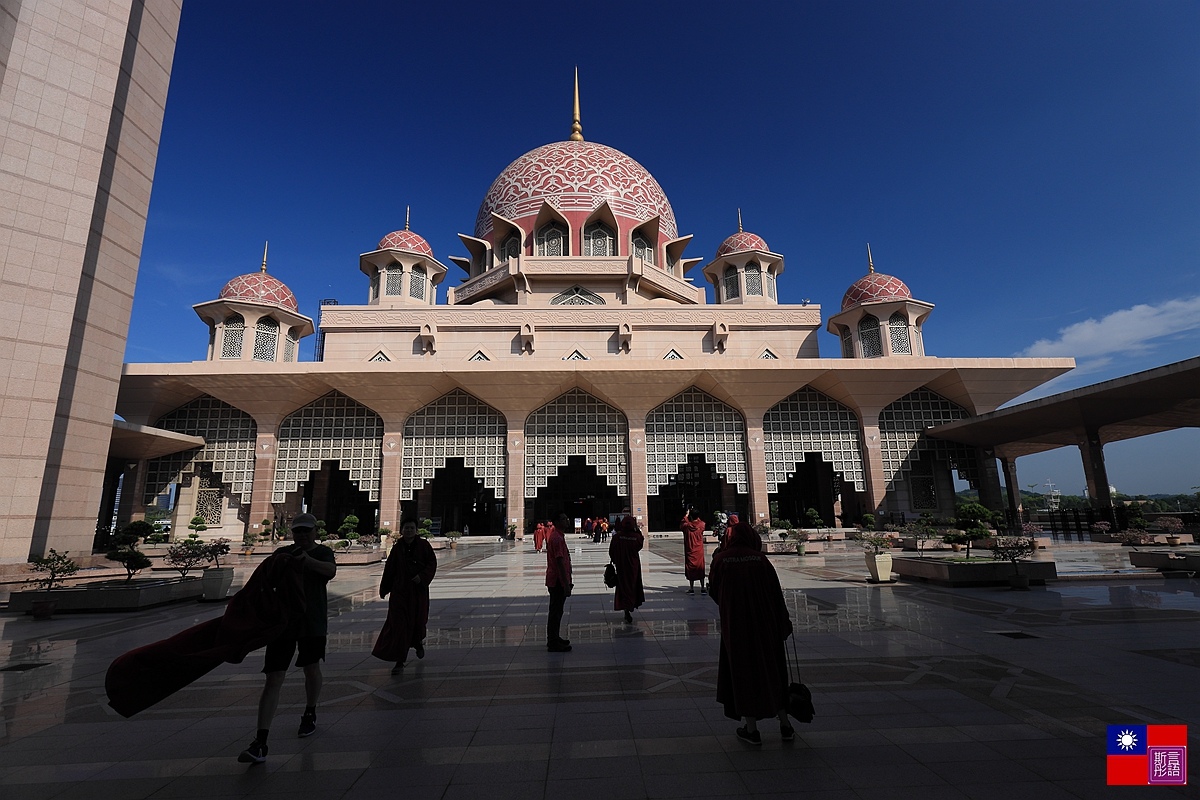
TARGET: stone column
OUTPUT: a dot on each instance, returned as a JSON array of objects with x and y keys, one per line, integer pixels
[
  {"x": 756, "y": 463},
  {"x": 989, "y": 480},
  {"x": 515, "y": 511},
  {"x": 873, "y": 457},
  {"x": 1012, "y": 488},
  {"x": 1094, "y": 469},
  {"x": 265, "y": 452},
  {"x": 638, "y": 484},
  {"x": 390, "y": 471}
]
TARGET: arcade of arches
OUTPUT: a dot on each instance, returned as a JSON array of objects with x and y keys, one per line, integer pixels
[{"x": 454, "y": 461}]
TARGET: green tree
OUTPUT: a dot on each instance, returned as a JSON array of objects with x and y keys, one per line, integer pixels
[{"x": 125, "y": 552}]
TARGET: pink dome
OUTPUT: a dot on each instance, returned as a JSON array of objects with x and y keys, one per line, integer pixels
[
  {"x": 575, "y": 177},
  {"x": 875, "y": 287},
  {"x": 405, "y": 240},
  {"x": 259, "y": 287},
  {"x": 740, "y": 242}
]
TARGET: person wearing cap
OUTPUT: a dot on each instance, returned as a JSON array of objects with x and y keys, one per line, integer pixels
[{"x": 304, "y": 638}]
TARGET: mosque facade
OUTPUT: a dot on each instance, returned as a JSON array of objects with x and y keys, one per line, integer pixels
[{"x": 577, "y": 367}]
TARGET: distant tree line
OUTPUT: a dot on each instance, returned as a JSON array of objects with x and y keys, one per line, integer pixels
[{"x": 1154, "y": 503}]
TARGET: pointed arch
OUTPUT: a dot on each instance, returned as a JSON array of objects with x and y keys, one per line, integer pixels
[
  {"x": 330, "y": 428},
  {"x": 694, "y": 421},
  {"x": 233, "y": 332},
  {"x": 576, "y": 424},
  {"x": 229, "y": 439},
  {"x": 456, "y": 425},
  {"x": 903, "y": 441},
  {"x": 898, "y": 334},
  {"x": 808, "y": 421},
  {"x": 869, "y": 337},
  {"x": 577, "y": 296}
]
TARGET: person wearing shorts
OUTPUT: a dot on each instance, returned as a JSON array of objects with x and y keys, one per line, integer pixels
[{"x": 304, "y": 639}]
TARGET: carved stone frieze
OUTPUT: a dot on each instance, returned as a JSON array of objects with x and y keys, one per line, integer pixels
[
  {"x": 481, "y": 283},
  {"x": 450, "y": 317}
]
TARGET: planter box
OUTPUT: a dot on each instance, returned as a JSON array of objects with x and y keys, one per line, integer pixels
[
  {"x": 112, "y": 595},
  {"x": 359, "y": 556},
  {"x": 971, "y": 573},
  {"x": 1042, "y": 542},
  {"x": 1165, "y": 560}
]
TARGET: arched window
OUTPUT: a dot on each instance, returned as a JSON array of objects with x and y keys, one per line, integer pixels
[
  {"x": 868, "y": 334},
  {"x": 599, "y": 240},
  {"x": 266, "y": 339},
  {"x": 731, "y": 283},
  {"x": 769, "y": 277},
  {"x": 395, "y": 278},
  {"x": 898, "y": 333},
  {"x": 552, "y": 240},
  {"x": 375, "y": 286},
  {"x": 416, "y": 283},
  {"x": 510, "y": 248},
  {"x": 847, "y": 344},
  {"x": 643, "y": 249},
  {"x": 754, "y": 285},
  {"x": 920, "y": 342},
  {"x": 231, "y": 339},
  {"x": 289, "y": 344}
]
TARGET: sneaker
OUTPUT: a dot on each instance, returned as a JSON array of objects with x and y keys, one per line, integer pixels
[
  {"x": 256, "y": 753},
  {"x": 748, "y": 737},
  {"x": 308, "y": 725},
  {"x": 559, "y": 647},
  {"x": 420, "y": 650},
  {"x": 787, "y": 732}
]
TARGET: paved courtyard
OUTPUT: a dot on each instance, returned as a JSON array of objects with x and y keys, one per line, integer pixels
[{"x": 920, "y": 691}]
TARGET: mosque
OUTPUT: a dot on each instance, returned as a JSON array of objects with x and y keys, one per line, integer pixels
[{"x": 577, "y": 367}]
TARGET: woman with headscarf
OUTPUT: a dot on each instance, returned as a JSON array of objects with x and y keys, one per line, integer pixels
[
  {"x": 693, "y": 550},
  {"x": 752, "y": 671},
  {"x": 623, "y": 552},
  {"x": 407, "y": 574}
]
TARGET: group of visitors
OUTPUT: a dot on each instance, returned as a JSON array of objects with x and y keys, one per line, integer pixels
[
  {"x": 596, "y": 527},
  {"x": 752, "y": 668}
]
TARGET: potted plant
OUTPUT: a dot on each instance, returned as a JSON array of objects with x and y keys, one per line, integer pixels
[
  {"x": 868, "y": 522},
  {"x": 53, "y": 568},
  {"x": 1172, "y": 527},
  {"x": 877, "y": 548},
  {"x": 125, "y": 551},
  {"x": 216, "y": 580},
  {"x": 248, "y": 542},
  {"x": 186, "y": 555},
  {"x": 812, "y": 519},
  {"x": 453, "y": 536},
  {"x": 1013, "y": 549}
]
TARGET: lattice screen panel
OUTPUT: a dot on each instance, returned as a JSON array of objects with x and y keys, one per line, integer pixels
[
  {"x": 576, "y": 424},
  {"x": 331, "y": 428},
  {"x": 902, "y": 436},
  {"x": 898, "y": 333},
  {"x": 810, "y": 422},
  {"x": 229, "y": 435},
  {"x": 455, "y": 425},
  {"x": 695, "y": 422}
]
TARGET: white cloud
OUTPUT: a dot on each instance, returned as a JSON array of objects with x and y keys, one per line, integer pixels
[{"x": 1130, "y": 330}]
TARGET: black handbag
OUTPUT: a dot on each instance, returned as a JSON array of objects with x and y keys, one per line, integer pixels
[
  {"x": 610, "y": 575},
  {"x": 799, "y": 698}
]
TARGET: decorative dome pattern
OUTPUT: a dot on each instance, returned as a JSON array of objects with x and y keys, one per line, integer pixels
[
  {"x": 405, "y": 240},
  {"x": 741, "y": 241},
  {"x": 875, "y": 287},
  {"x": 259, "y": 287},
  {"x": 575, "y": 176}
]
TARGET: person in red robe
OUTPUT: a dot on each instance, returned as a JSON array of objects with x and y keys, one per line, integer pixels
[
  {"x": 539, "y": 537},
  {"x": 407, "y": 574},
  {"x": 558, "y": 582},
  {"x": 693, "y": 550},
  {"x": 752, "y": 671},
  {"x": 623, "y": 552}
]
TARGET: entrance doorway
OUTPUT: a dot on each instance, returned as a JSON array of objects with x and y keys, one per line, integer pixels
[
  {"x": 695, "y": 485},
  {"x": 812, "y": 483},
  {"x": 330, "y": 495},
  {"x": 460, "y": 501},
  {"x": 577, "y": 491}
]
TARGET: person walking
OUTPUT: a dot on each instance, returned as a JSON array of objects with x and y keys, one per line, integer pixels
[
  {"x": 558, "y": 582},
  {"x": 305, "y": 638},
  {"x": 407, "y": 574},
  {"x": 623, "y": 552},
  {"x": 539, "y": 537},
  {"x": 693, "y": 550},
  {"x": 752, "y": 668}
]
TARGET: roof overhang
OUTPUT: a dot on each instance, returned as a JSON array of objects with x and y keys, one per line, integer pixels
[{"x": 136, "y": 442}]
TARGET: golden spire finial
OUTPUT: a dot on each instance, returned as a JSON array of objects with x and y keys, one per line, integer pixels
[
  {"x": 870, "y": 263},
  {"x": 264, "y": 264},
  {"x": 407, "y": 212},
  {"x": 576, "y": 128},
  {"x": 739, "y": 220}
]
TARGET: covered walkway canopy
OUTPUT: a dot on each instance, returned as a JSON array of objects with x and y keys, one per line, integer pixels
[{"x": 1161, "y": 399}]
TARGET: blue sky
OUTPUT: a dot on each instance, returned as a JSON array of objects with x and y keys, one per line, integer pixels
[{"x": 1031, "y": 168}]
